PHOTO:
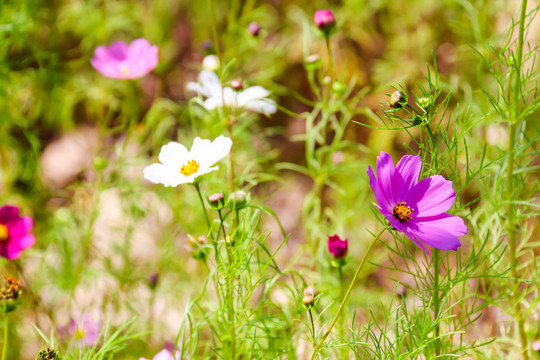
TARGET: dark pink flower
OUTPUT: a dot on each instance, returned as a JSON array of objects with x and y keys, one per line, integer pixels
[
  {"x": 337, "y": 247},
  {"x": 416, "y": 208},
  {"x": 123, "y": 61},
  {"x": 254, "y": 28},
  {"x": 325, "y": 20},
  {"x": 15, "y": 232}
]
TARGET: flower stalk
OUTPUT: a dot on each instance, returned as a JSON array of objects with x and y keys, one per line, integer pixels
[
  {"x": 6, "y": 332},
  {"x": 349, "y": 290},
  {"x": 436, "y": 300}
]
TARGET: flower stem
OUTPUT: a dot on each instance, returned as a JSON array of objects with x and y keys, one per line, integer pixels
[
  {"x": 230, "y": 295},
  {"x": 342, "y": 305},
  {"x": 214, "y": 28},
  {"x": 196, "y": 184},
  {"x": 436, "y": 300},
  {"x": 512, "y": 236},
  {"x": 6, "y": 330},
  {"x": 230, "y": 123},
  {"x": 312, "y": 326}
]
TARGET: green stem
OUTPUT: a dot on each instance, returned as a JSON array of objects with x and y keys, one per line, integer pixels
[
  {"x": 6, "y": 328},
  {"x": 230, "y": 296},
  {"x": 196, "y": 184},
  {"x": 312, "y": 325},
  {"x": 436, "y": 299},
  {"x": 342, "y": 305},
  {"x": 214, "y": 28},
  {"x": 512, "y": 235}
]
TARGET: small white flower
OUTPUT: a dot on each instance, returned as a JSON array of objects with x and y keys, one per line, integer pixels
[
  {"x": 210, "y": 62},
  {"x": 253, "y": 98},
  {"x": 180, "y": 166}
]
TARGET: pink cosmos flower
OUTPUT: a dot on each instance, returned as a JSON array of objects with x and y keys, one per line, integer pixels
[
  {"x": 86, "y": 331},
  {"x": 164, "y": 355},
  {"x": 337, "y": 247},
  {"x": 15, "y": 233},
  {"x": 325, "y": 20},
  {"x": 123, "y": 61},
  {"x": 416, "y": 208}
]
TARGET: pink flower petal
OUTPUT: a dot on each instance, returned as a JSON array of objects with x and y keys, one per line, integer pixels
[
  {"x": 440, "y": 232},
  {"x": 408, "y": 168},
  {"x": 8, "y": 213},
  {"x": 19, "y": 227},
  {"x": 385, "y": 177},
  {"x": 431, "y": 197}
]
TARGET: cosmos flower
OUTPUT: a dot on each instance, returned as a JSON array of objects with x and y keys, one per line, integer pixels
[
  {"x": 325, "y": 20},
  {"x": 415, "y": 208},
  {"x": 164, "y": 355},
  {"x": 253, "y": 98},
  {"x": 337, "y": 247},
  {"x": 123, "y": 61},
  {"x": 15, "y": 232},
  {"x": 180, "y": 166},
  {"x": 86, "y": 331}
]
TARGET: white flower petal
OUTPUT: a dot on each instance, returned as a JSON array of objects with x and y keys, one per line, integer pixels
[
  {"x": 209, "y": 79},
  {"x": 252, "y": 93},
  {"x": 196, "y": 87},
  {"x": 210, "y": 104},
  {"x": 264, "y": 106},
  {"x": 200, "y": 146},
  {"x": 173, "y": 154},
  {"x": 205, "y": 170},
  {"x": 168, "y": 176}
]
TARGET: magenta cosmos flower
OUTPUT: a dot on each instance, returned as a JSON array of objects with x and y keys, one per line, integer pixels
[
  {"x": 416, "y": 208},
  {"x": 123, "y": 61},
  {"x": 15, "y": 233},
  {"x": 325, "y": 20},
  {"x": 337, "y": 247}
]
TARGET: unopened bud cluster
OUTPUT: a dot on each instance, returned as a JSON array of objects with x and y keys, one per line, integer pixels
[
  {"x": 10, "y": 293},
  {"x": 48, "y": 354}
]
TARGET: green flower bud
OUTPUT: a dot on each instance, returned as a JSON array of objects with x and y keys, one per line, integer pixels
[
  {"x": 424, "y": 102},
  {"x": 309, "y": 297},
  {"x": 48, "y": 354},
  {"x": 339, "y": 87},
  {"x": 397, "y": 100},
  {"x": 10, "y": 293},
  {"x": 217, "y": 201},
  {"x": 238, "y": 199}
]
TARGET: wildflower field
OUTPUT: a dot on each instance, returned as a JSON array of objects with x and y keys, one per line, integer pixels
[{"x": 281, "y": 179}]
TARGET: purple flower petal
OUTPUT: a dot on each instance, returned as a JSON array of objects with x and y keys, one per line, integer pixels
[
  {"x": 430, "y": 197},
  {"x": 385, "y": 176},
  {"x": 440, "y": 232},
  {"x": 408, "y": 168}
]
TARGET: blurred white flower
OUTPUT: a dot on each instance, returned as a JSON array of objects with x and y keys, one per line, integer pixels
[
  {"x": 210, "y": 62},
  {"x": 253, "y": 98},
  {"x": 180, "y": 166}
]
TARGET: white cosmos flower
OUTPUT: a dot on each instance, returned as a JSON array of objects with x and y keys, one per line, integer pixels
[
  {"x": 253, "y": 98},
  {"x": 180, "y": 166}
]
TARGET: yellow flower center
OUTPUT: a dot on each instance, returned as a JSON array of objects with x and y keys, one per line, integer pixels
[
  {"x": 79, "y": 334},
  {"x": 402, "y": 212},
  {"x": 124, "y": 70},
  {"x": 3, "y": 232},
  {"x": 190, "y": 168}
]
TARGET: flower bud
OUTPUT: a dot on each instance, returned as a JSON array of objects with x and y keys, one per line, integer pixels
[
  {"x": 197, "y": 245},
  {"x": 217, "y": 201},
  {"x": 48, "y": 354},
  {"x": 211, "y": 63},
  {"x": 397, "y": 100},
  {"x": 324, "y": 19},
  {"x": 338, "y": 249},
  {"x": 238, "y": 199},
  {"x": 339, "y": 87},
  {"x": 309, "y": 297},
  {"x": 236, "y": 84},
  {"x": 254, "y": 28},
  {"x": 10, "y": 293},
  {"x": 424, "y": 102},
  {"x": 153, "y": 280},
  {"x": 313, "y": 62}
]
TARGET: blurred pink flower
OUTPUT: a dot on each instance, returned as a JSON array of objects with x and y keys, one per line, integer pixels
[
  {"x": 164, "y": 355},
  {"x": 325, "y": 20},
  {"x": 15, "y": 232},
  {"x": 86, "y": 331},
  {"x": 416, "y": 208},
  {"x": 123, "y": 61},
  {"x": 337, "y": 247}
]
